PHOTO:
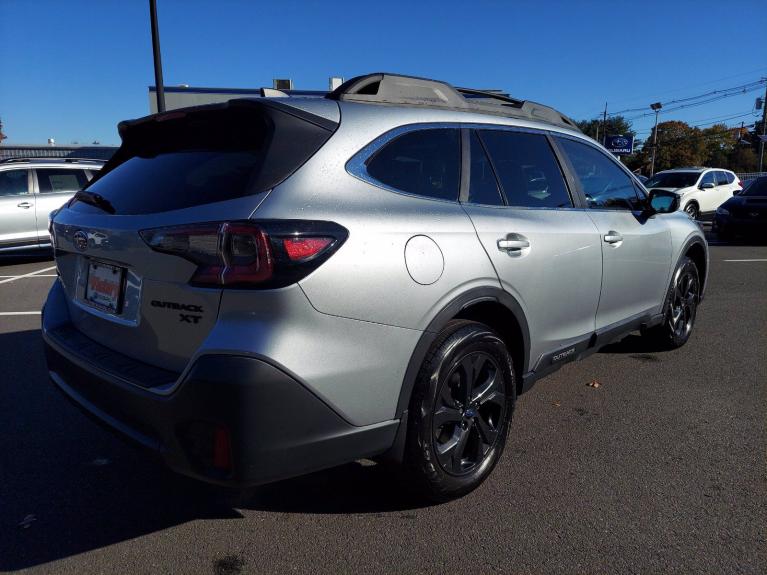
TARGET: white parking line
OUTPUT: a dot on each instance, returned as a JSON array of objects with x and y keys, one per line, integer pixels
[
  {"x": 34, "y": 276},
  {"x": 753, "y": 260},
  {"x": 20, "y": 312},
  {"x": 14, "y": 278}
]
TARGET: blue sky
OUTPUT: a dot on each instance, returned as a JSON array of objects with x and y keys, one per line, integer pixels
[{"x": 71, "y": 70}]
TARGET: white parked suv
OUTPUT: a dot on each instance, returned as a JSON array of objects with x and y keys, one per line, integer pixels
[{"x": 701, "y": 190}]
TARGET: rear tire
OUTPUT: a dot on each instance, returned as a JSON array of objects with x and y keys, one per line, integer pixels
[
  {"x": 460, "y": 411},
  {"x": 680, "y": 308}
]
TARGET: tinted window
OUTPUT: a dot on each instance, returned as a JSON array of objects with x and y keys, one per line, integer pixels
[
  {"x": 757, "y": 187},
  {"x": 210, "y": 155},
  {"x": 708, "y": 178},
  {"x": 483, "y": 187},
  {"x": 425, "y": 163},
  {"x": 13, "y": 182},
  {"x": 672, "y": 180},
  {"x": 730, "y": 177},
  {"x": 604, "y": 183},
  {"x": 721, "y": 178},
  {"x": 52, "y": 180},
  {"x": 527, "y": 169}
]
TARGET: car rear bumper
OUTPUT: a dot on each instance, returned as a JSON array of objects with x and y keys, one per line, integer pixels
[
  {"x": 740, "y": 225},
  {"x": 233, "y": 420}
]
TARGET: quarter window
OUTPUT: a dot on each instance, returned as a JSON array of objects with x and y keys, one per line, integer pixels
[
  {"x": 527, "y": 169},
  {"x": 483, "y": 187},
  {"x": 604, "y": 183},
  {"x": 13, "y": 183},
  {"x": 51, "y": 180},
  {"x": 425, "y": 163}
]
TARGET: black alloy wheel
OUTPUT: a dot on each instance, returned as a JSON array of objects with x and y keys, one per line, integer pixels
[
  {"x": 680, "y": 308},
  {"x": 691, "y": 210},
  {"x": 460, "y": 411},
  {"x": 470, "y": 407}
]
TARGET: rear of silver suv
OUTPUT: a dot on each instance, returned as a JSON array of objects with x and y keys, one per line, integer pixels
[{"x": 263, "y": 288}]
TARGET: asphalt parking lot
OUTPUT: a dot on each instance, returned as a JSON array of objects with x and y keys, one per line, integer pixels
[{"x": 661, "y": 467}]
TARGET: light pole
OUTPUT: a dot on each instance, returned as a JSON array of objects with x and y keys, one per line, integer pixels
[
  {"x": 656, "y": 108},
  {"x": 160, "y": 89}
]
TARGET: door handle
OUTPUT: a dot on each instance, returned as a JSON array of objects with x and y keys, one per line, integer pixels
[
  {"x": 512, "y": 245},
  {"x": 613, "y": 237},
  {"x": 25, "y": 205}
]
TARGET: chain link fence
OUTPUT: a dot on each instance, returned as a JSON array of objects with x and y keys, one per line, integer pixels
[{"x": 90, "y": 152}]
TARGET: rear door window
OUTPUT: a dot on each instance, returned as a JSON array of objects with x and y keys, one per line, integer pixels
[
  {"x": 54, "y": 180},
  {"x": 483, "y": 187},
  {"x": 423, "y": 162},
  {"x": 14, "y": 183},
  {"x": 527, "y": 169},
  {"x": 721, "y": 178},
  {"x": 604, "y": 183}
]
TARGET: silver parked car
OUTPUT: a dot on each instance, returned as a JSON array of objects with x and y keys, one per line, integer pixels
[
  {"x": 30, "y": 189},
  {"x": 267, "y": 287}
]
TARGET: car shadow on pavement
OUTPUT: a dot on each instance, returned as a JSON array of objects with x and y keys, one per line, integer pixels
[
  {"x": 67, "y": 486},
  {"x": 631, "y": 344}
]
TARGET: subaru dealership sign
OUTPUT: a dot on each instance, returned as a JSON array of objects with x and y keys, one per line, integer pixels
[{"x": 620, "y": 144}]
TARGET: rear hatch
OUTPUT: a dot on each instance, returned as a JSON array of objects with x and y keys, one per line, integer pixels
[{"x": 137, "y": 250}]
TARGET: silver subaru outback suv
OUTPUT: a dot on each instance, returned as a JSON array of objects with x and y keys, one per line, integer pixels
[{"x": 271, "y": 286}]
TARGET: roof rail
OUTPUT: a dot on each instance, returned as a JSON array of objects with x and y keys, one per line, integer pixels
[
  {"x": 39, "y": 159},
  {"x": 385, "y": 88}
]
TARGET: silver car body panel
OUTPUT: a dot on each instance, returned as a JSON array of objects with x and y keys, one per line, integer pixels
[{"x": 348, "y": 330}]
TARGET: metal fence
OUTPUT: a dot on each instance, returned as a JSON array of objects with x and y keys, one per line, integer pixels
[
  {"x": 95, "y": 152},
  {"x": 745, "y": 176}
]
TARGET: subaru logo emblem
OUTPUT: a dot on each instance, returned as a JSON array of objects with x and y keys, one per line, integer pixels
[{"x": 80, "y": 239}]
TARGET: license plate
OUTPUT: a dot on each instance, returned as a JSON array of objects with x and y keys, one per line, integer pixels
[{"x": 104, "y": 287}]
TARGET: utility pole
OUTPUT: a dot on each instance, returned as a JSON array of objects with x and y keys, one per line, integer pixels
[
  {"x": 764, "y": 127},
  {"x": 159, "y": 88},
  {"x": 604, "y": 126},
  {"x": 656, "y": 107}
]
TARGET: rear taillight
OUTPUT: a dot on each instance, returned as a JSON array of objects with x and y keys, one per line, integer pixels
[{"x": 266, "y": 254}]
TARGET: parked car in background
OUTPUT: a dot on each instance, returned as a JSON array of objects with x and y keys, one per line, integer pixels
[
  {"x": 30, "y": 189},
  {"x": 701, "y": 190},
  {"x": 267, "y": 287},
  {"x": 744, "y": 213},
  {"x": 642, "y": 178}
]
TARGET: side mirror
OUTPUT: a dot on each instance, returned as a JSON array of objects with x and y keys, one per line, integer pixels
[
  {"x": 663, "y": 202},
  {"x": 706, "y": 186}
]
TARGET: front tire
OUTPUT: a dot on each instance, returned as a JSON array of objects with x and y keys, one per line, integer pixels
[
  {"x": 691, "y": 210},
  {"x": 680, "y": 308},
  {"x": 460, "y": 411}
]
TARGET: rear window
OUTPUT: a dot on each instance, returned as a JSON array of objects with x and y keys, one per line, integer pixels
[
  {"x": 757, "y": 187},
  {"x": 207, "y": 155}
]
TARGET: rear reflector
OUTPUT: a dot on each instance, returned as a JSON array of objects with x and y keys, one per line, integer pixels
[
  {"x": 304, "y": 248},
  {"x": 264, "y": 254},
  {"x": 222, "y": 449}
]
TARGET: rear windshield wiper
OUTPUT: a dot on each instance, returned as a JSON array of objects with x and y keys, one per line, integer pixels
[{"x": 94, "y": 199}]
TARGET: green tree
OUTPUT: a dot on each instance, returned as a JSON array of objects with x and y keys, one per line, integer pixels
[
  {"x": 720, "y": 141},
  {"x": 616, "y": 125},
  {"x": 679, "y": 144}
]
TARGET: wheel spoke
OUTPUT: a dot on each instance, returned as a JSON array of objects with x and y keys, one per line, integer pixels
[
  {"x": 471, "y": 366},
  {"x": 484, "y": 389},
  {"x": 495, "y": 397},
  {"x": 460, "y": 447},
  {"x": 486, "y": 432},
  {"x": 445, "y": 415}
]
